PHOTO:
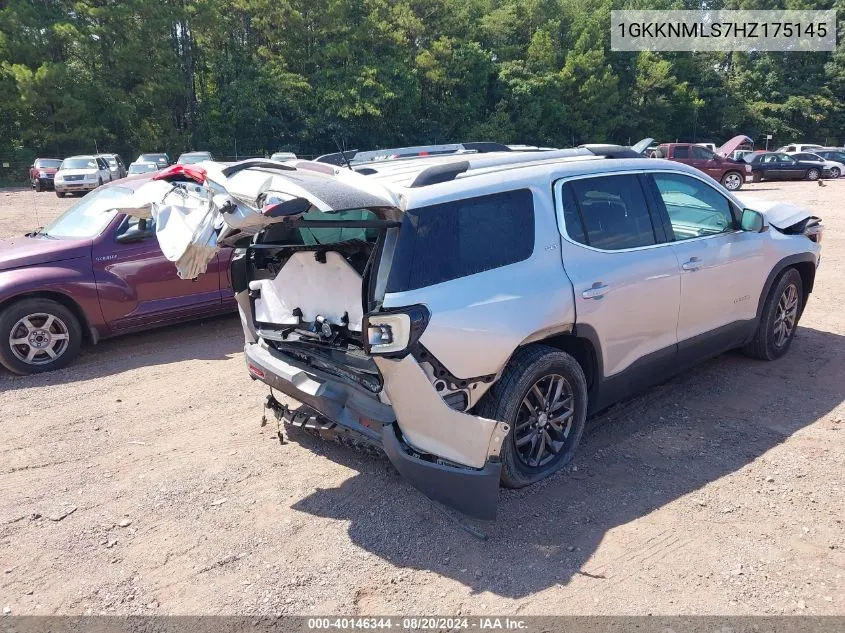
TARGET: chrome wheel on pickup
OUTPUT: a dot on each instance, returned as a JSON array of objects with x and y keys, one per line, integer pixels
[
  {"x": 38, "y": 335},
  {"x": 732, "y": 181}
]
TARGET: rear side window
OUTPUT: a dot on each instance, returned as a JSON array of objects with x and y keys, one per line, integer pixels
[
  {"x": 607, "y": 212},
  {"x": 456, "y": 239},
  {"x": 681, "y": 151}
]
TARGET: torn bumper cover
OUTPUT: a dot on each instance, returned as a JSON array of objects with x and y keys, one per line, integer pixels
[{"x": 421, "y": 444}]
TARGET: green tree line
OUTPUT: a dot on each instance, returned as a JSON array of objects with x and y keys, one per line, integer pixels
[{"x": 256, "y": 76}]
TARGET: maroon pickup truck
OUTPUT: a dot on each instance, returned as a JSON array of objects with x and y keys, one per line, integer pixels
[
  {"x": 730, "y": 173},
  {"x": 90, "y": 274}
]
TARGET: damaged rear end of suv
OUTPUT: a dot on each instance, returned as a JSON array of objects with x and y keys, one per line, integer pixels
[{"x": 311, "y": 291}]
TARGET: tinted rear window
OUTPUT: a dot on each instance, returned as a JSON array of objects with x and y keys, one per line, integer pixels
[
  {"x": 681, "y": 151},
  {"x": 456, "y": 239}
]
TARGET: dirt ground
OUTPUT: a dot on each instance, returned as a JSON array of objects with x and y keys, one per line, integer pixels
[{"x": 720, "y": 492}]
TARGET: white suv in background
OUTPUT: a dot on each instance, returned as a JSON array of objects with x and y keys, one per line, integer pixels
[
  {"x": 467, "y": 311},
  {"x": 81, "y": 174}
]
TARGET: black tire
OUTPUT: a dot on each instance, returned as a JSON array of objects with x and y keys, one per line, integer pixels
[
  {"x": 756, "y": 177},
  {"x": 60, "y": 194},
  {"x": 813, "y": 174},
  {"x": 835, "y": 172},
  {"x": 732, "y": 180},
  {"x": 64, "y": 322},
  {"x": 764, "y": 345},
  {"x": 504, "y": 401},
  {"x": 38, "y": 187}
]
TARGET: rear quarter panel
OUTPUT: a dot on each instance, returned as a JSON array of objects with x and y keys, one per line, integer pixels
[{"x": 478, "y": 321}]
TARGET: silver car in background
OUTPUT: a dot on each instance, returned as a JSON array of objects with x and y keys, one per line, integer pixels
[{"x": 116, "y": 166}]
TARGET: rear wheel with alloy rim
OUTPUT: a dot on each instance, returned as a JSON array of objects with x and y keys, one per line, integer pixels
[
  {"x": 38, "y": 335},
  {"x": 732, "y": 181},
  {"x": 813, "y": 174},
  {"x": 779, "y": 319},
  {"x": 542, "y": 395}
]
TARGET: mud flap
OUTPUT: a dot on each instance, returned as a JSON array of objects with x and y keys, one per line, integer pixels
[{"x": 473, "y": 492}]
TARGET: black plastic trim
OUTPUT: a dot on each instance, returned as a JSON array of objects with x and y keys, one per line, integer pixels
[
  {"x": 473, "y": 492},
  {"x": 439, "y": 173}
]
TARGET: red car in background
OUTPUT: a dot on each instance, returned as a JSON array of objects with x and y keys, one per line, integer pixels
[
  {"x": 731, "y": 173},
  {"x": 42, "y": 172},
  {"x": 93, "y": 273}
]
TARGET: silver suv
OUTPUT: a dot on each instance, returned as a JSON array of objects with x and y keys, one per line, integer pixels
[{"x": 467, "y": 311}]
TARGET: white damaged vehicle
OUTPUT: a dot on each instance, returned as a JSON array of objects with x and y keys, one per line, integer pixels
[{"x": 466, "y": 312}]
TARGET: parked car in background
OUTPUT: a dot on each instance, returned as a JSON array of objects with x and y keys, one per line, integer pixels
[
  {"x": 116, "y": 166},
  {"x": 142, "y": 168},
  {"x": 729, "y": 172},
  {"x": 189, "y": 158},
  {"x": 799, "y": 147},
  {"x": 782, "y": 166},
  {"x": 81, "y": 174},
  {"x": 832, "y": 153},
  {"x": 710, "y": 146},
  {"x": 833, "y": 167},
  {"x": 465, "y": 350},
  {"x": 42, "y": 172},
  {"x": 283, "y": 156},
  {"x": 90, "y": 274},
  {"x": 160, "y": 159}
]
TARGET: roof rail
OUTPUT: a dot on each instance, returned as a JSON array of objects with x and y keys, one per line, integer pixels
[
  {"x": 439, "y": 173},
  {"x": 446, "y": 172},
  {"x": 357, "y": 157},
  {"x": 611, "y": 151}
]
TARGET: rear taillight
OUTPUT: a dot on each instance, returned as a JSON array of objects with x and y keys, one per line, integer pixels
[
  {"x": 255, "y": 371},
  {"x": 394, "y": 332}
]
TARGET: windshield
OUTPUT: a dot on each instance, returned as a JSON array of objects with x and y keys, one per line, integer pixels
[
  {"x": 88, "y": 217},
  {"x": 142, "y": 168},
  {"x": 152, "y": 158},
  {"x": 79, "y": 163},
  {"x": 47, "y": 163},
  {"x": 189, "y": 159}
]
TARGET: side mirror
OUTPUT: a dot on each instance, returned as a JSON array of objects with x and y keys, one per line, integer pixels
[{"x": 753, "y": 221}]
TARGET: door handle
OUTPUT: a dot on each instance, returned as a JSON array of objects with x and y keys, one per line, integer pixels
[
  {"x": 693, "y": 264},
  {"x": 597, "y": 291}
]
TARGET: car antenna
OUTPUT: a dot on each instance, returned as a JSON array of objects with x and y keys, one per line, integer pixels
[{"x": 342, "y": 153}]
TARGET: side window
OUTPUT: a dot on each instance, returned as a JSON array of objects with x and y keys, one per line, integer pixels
[
  {"x": 136, "y": 225},
  {"x": 612, "y": 210},
  {"x": 771, "y": 158},
  {"x": 694, "y": 208},
  {"x": 456, "y": 239},
  {"x": 681, "y": 151},
  {"x": 702, "y": 153}
]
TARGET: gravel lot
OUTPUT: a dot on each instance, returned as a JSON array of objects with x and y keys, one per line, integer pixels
[{"x": 719, "y": 492}]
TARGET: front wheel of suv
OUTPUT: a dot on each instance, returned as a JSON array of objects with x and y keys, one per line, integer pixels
[
  {"x": 542, "y": 395},
  {"x": 779, "y": 319}
]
